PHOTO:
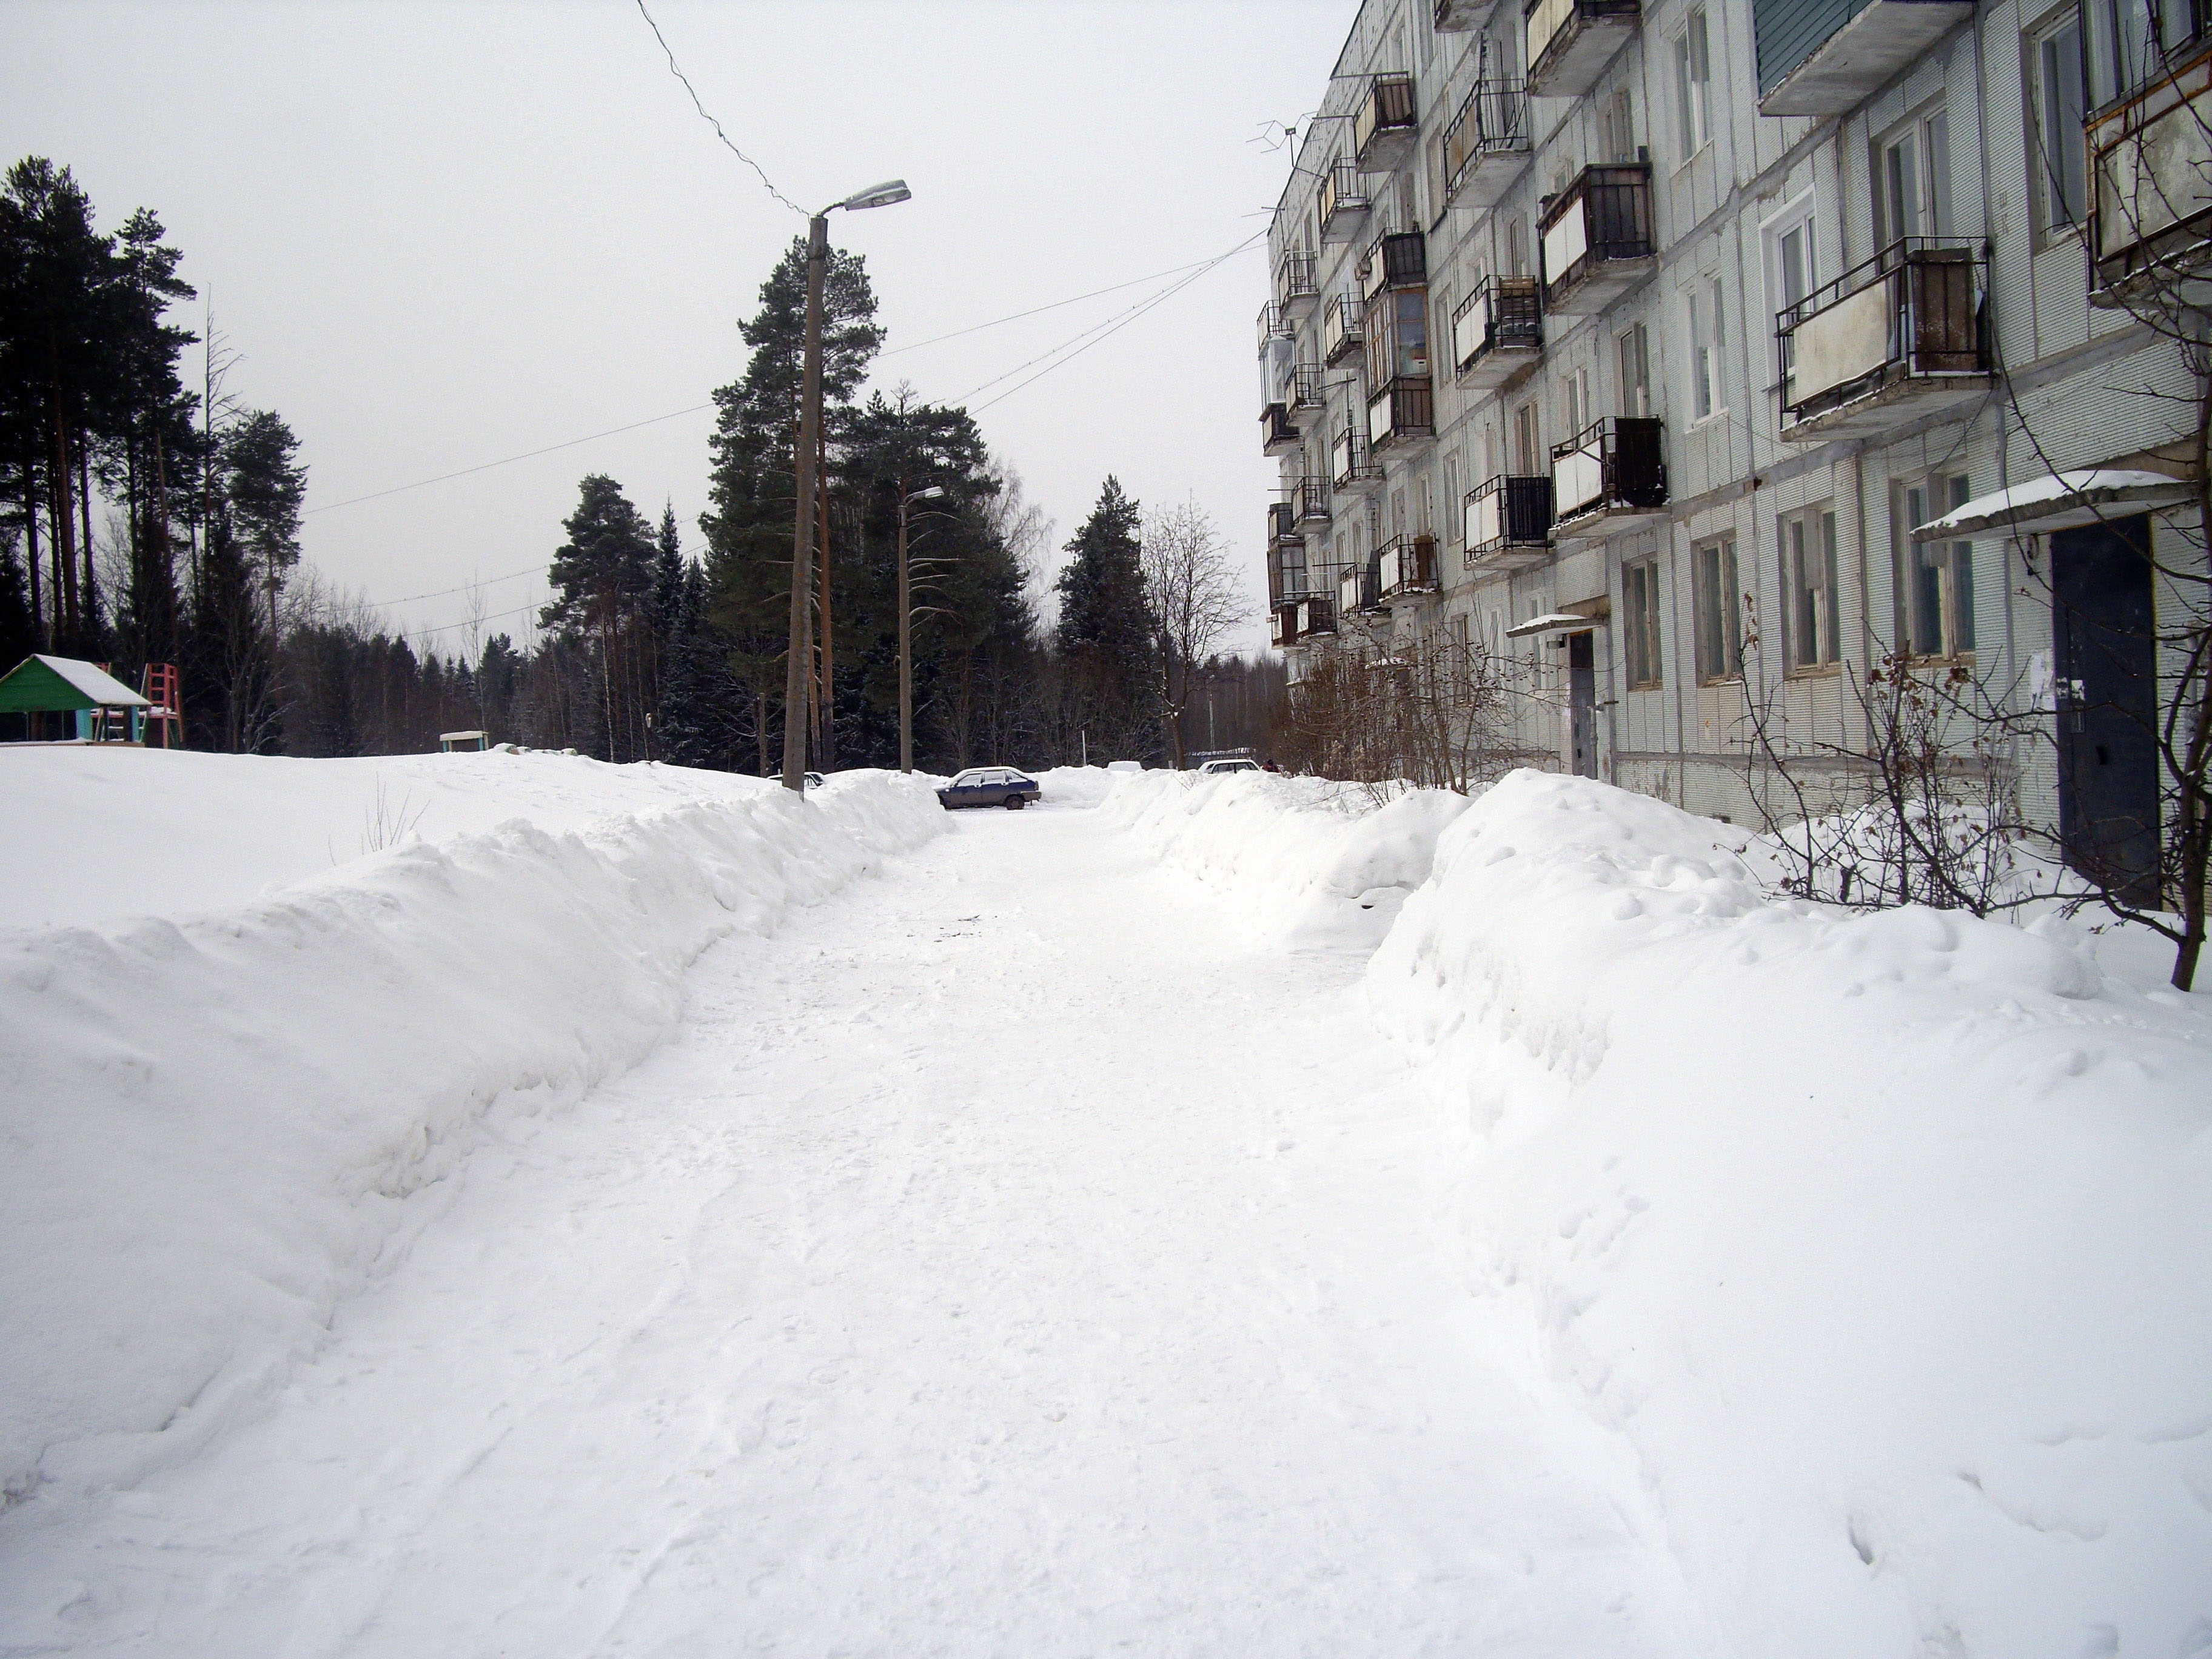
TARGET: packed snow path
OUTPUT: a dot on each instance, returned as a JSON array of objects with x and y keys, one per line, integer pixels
[{"x": 1008, "y": 1258}]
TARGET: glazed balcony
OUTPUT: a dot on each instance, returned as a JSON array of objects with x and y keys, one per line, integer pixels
[
  {"x": 1498, "y": 331},
  {"x": 1597, "y": 238},
  {"x": 1455, "y": 15},
  {"x": 1508, "y": 523},
  {"x": 2150, "y": 205},
  {"x": 1889, "y": 341},
  {"x": 1405, "y": 568},
  {"x": 1279, "y": 434},
  {"x": 1274, "y": 324},
  {"x": 1400, "y": 412},
  {"x": 1570, "y": 42},
  {"x": 1395, "y": 260},
  {"x": 1343, "y": 330},
  {"x": 1383, "y": 129},
  {"x": 1287, "y": 574},
  {"x": 1486, "y": 145},
  {"x": 1310, "y": 501},
  {"x": 1344, "y": 203},
  {"x": 1283, "y": 524},
  {"x": 1297, "y": 287},
  {"x": 1316, "y": 615},
  {"x": 1351, "y": 470},
  {"x": 1608, "y": 477},
  {"x": 1282, "y": 625},
  {"x": 1803, "y": 71},
  {"x": 1360, "y": 591}
]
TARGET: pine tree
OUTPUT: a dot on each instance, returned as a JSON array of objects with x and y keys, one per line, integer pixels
[
  {"x": 1107, "y": 636},
  {"x": 603, "y": 579}
]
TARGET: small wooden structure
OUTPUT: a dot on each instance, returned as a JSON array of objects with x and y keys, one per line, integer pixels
[
  {"x": 100, "y": 707},
  {"x": 452, "y": 743}
]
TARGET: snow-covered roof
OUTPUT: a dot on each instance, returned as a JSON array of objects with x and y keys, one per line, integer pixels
[
  {"x": 1553, "y": 621},
  {"x": 96, "y": 683},
  {"x": 2059, "y": 501}
]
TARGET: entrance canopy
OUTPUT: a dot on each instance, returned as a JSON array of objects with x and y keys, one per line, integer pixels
[
  {"x": 54, "y": 686},
  {"x": 2058, "y": 501},
  {"x": 1556, "y": 622}
]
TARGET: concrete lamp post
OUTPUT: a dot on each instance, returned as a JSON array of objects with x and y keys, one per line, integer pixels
[{"x": 796, "y": 666}]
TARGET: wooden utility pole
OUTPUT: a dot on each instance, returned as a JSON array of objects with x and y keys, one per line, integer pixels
[
  {"x": 826, "y": 746},
  {"x": 797, "y": 681}
]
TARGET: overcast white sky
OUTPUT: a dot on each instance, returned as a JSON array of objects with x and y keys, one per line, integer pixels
[{"x": 445, "y": 235}]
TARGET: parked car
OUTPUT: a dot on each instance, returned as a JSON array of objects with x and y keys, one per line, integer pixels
[
  {"x": 813, "y": 781},
  {"x": 1215, "y": 767},
  {"x": 990, "y": 786}
]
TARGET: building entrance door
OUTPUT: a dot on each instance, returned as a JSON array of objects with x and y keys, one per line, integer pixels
[
  {"x": 1582, "y": 702},
  {"x": 2104, "y": 653}
]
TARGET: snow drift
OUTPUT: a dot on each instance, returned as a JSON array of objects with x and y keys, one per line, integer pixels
[
  {"x": 214, "y": 1123},
  {"x": 1884, "y": 1240}
]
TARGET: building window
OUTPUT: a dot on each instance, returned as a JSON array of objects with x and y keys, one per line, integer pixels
[
  {"x": 1811, "y": 638},
  {"x": 1720, "y": 611},
  {"x": 1525, "y": 446},
  {"x": 1634, "y": 348},
  {"x": 1693, "y": 80},
  {"x": 1639, "y": 603},
  {"x": 1575, "y": 394},
  {"x": 1912, "y": 180},
  {"x": 1706, "y": 348},
  {"x": 1616, "y": 129},
  {"x": 1516, "y": 245},
  {"x": 1451, "y": 484},
  {"x": 2059, "y": 163},
  {"x": 1791, "y": 272},
  {"x": 1937, "y": 583}
]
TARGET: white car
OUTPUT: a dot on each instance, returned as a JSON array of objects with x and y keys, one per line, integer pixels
[{"x": 1214, "y": 768}]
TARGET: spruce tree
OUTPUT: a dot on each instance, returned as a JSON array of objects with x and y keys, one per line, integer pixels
[
  {"x": 603, "y": 579},
  {"x": 1106, "y": 636}
]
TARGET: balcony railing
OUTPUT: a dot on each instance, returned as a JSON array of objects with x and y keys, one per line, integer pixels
[
  {"x": 2150, "y": 215},
  {"x": 1279, "y": 434},
  {"x": 1888, "y": 341},
  {"x": 1497, "y": 331},
  {"x": 1283, "y": 524},
  {"x": 1304, "y": 387},
  {"x": 1274, "y": 325},
  {"x": 1282, "y": 625},
  {"x": 1310, "y": 496},
  {"x": 1343, "y": 330},
  {"x": 1383, "y": 129},
  {"x": 1507, "y": 522},
  {"x": 1406, "y": 566},
  {"x": 1344, "y": 203},
  {"x": 1351, "y": 469},
  {"x": 1287, "y": 578},
  {"x": 1397, "y": 259},
  {"x": 1360, "y": 590},
  {"x": 1486, "y": 144},
  {"x": 1316, "y": 615},
  {"x": 1570, "y": 42},
  {"x": 1297, "y": 287},
  {"x": 1597, "y": 238},
  {"x": 1400, "y": 410},
  {"x": 1612, "y": 468}
]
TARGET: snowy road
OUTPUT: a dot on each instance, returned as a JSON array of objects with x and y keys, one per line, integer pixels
[{"x": 1008, "y": 1258}]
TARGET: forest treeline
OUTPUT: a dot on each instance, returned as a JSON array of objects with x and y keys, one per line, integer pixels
[{"x": 647, "y": 651}]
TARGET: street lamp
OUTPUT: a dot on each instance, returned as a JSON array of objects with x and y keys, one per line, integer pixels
[
  {"x": 795, "y": 674},
  {"x": 906, "y": 626}
]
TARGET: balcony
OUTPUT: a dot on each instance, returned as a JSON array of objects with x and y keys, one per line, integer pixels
[
  {"x": 1352, "y": 470},
  {"x": 1304, "y": 388},
  {"x": 1383, "y": 129},
  {"x": 1406, "y": 568},
  {"x": 1343, "y": 331},
  {"x": 1454, "y": 16},
  {"x": 1498, "y": 331},
  {"x": 1358, "y": 590},
  {"x": 1609, "y": 477},
  {"x": 1287, "y": 574},
  {"x": 2150, "y": 210},
  {"x": 1570, "y": 42},
  {"x": 1316, "y": 614},
  {"x": 1310, "y": 499},
  {"x": 1401, "y": 411},
  {"x": 1283, "y": 524},
  {"x": 1597, "y": 238},
  {"x": 1508, "y": 523},
  {"x": 1344, "y": 203},
  {"x": 1274, "y": 325},
  {"x": 1297, "y": 289},
  {"x": 1395, "y": 260},
  {"x": 1277, "y": 435},
  {"x": 1486, "y": 145},
  {"x": 1826, "y": 57},
  {"x": 1887, "y": 342}
]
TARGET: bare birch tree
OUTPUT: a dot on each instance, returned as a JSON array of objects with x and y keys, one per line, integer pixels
[{"x": 1196, "y": 600}]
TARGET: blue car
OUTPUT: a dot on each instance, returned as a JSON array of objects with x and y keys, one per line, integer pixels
[{"x": 989, "y": 786}]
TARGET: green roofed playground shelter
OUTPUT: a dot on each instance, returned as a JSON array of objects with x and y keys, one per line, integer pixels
[{"x": 105, "y": 709}]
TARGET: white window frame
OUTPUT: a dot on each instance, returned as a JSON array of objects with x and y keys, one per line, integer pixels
[
  {"x": 1694, "y": 83},
  {"x": 1799, "y": 215},
  {"x": 2047, "y": 156},
  {"x": 1708, "y": 356}
]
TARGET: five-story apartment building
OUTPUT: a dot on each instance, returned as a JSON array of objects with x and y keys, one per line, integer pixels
[{"x": 1636, "y": 339}]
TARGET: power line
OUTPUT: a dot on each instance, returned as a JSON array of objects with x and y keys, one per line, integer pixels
[
  {"x": 1038, "y": 311},
  {"x": 709, "y": 119},
  {"x": 483, "y": 581}
]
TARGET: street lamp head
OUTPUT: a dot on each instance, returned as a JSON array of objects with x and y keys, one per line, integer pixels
[
  {"x": 875, "y": 195},
  {"x": 935, "y": 492}
]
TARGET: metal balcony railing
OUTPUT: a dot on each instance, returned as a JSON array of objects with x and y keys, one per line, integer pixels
[
  {"x": 1360, "y": 590},
  {"x": 1287, "y": 574},
  {"x": 1486, "y": 144},
  {"x": 1507, "y": 520},
  {"x": 1296, "y": 284},
  {"x": 1400, "y": 410},
  {"x": 1344, "y": 202},
  {"x": 1596, "y": 236},
  {"x": 1309, "y": 497},
  {"x": 1283, "y": 523},
  {"x": 1902, "y": 329},
  {"x": 1279, "y": 434},
  {"x": 1406, "y": 565},
  {"x": 2150, "y": 180},
  {"x": 1499, "y": 330},
  {"x": 1343, "y": 330},
  {"x": 1317, "y": 613},
  {"x": 1395, "y": 260},
  {"x": 1382, "y": 130},
  {"x": 1613, "y": 466},
  {"x": 1274, "y": 325},
  {"x": 1350, "y": 467},
  {"x": 1304, "y": 388}
]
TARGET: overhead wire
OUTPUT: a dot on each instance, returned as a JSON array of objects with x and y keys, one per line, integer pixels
[{"x": 678, "y": 72}]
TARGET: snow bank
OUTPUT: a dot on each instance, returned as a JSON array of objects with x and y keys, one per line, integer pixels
[
  {"x": 1886, "y": 1241},
  {"x": 213, "y": 1123},
  {"x": 1319, "y": 863}
]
